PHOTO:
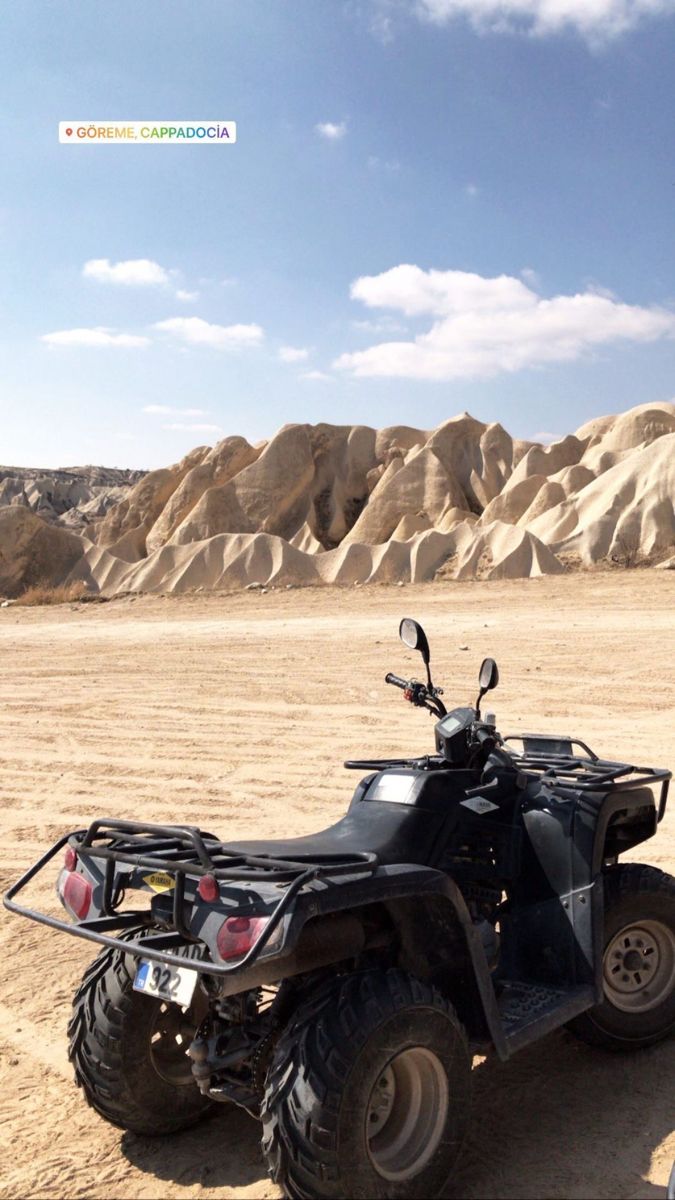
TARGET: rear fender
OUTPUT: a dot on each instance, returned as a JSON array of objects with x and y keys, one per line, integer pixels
[
  {"x": 419, "y": 914},
  {"x": 434, "y": 945}
]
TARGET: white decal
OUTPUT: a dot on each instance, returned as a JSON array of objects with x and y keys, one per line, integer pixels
[{"x": 479, "y": 804}]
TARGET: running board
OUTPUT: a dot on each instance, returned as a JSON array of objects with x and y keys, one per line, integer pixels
[{"x": 530, "y": 1010}]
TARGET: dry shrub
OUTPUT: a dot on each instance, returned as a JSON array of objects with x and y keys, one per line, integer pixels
[
  {"x": 627, "y": 551},
  {"x": 47, "y": 594}
]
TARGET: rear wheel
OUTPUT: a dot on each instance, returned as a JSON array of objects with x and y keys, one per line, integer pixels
[
  {"x": 129, "y": 1051},
  {"x": 638, "y": 961},
  {"x": 368, "y": 1092}
]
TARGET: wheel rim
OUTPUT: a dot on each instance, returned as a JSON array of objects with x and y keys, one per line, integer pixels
[
  {"x": 170, "y": 1035},
  {"x": 639, "y": 967},
  {"x": 406, "y": 1113}
]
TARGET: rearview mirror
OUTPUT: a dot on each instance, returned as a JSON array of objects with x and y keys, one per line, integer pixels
[
  {"x": 413, "y": 636},
  {"x": 488, "y": 676}
]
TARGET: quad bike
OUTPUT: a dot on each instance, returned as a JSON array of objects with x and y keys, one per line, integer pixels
[{"x": 337, "y": 985}]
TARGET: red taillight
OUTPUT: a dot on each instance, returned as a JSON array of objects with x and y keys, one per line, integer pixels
[
  {"x": 70, "y": 859},
  {"x": 237, "y": 935},
  {"x": 208, "y": 888},
  {"x": 76, "y": 893}
]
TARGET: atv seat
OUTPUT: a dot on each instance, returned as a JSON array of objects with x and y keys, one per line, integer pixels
[{"x": 396, "y": 833}]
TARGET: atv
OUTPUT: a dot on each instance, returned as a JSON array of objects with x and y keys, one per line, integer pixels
[{"x": 337, "y": 985}]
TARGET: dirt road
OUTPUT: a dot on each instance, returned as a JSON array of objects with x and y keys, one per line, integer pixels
[{"x": 235, "y": 713}]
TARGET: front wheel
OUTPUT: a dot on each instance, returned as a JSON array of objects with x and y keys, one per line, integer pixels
[
  {"x": 368, "y": 1092},
  {"x": 638, "y": 962},
  {"x": 129, "y": 1051}
]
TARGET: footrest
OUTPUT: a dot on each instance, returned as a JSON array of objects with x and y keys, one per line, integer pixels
[
  {"x": 522, "y": 1003},
  {"x": 528, "y": 1010}
]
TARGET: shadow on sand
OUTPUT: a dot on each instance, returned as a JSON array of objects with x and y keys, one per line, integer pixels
[
  {"x": 223, "y": 1151},
  {"x": 560, "y": 1120},
  {"x": 564, "y": 1120}
]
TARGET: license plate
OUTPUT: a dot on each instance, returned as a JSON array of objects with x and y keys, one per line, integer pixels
[{"x": 168, "y": 983}]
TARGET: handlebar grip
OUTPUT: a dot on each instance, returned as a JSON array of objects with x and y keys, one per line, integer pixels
[
  {"x": 396, "y": 680},
  {"x": 483, "y": 736}
]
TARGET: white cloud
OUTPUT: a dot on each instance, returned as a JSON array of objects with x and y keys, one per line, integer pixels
[
  {"x": 137, "y": 272},
  {"x": 133, "y": 272},
  {"x": 530, "y": 276},
  {"x": 179, "y": 427},
  {"x": 598, "y": 290},
  {"x": 97, "y": 337},
  {"x": 595, "y": 20},
  {"x": 293, "y": 354},
  {"x": 163, "y": 410},
  {"x": 543, "y": 435},
  {"x": 331, "y": 130},
  {"x": 382, "y": 325},
  {"x": 417, "y": 293},
  {"x": 197, "y": 332},
  {"x": 379, "y": 18},
  {"x": 391, "y": 165},
  {"x": 482, "y": 327},
  {"x": 471, "y": 190},
  {"x": 319, "y": 376}
]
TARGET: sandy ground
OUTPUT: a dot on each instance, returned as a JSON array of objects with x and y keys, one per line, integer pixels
[{"x": 235, "y": 712}]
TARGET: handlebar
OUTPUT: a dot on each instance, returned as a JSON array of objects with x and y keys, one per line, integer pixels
[
  {"x": 420, "y": 694},
  {"x": 426, "y": 761}
]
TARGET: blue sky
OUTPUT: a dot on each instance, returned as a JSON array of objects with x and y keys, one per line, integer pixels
[{"x": 431, "y": 206}]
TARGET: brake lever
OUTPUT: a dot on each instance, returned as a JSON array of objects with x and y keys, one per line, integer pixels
[{"x": 482, "y": 788}]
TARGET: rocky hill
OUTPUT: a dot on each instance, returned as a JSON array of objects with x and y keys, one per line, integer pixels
[
  {"x": 71, "y": 496},
  {"x": 321, "y": 504}
]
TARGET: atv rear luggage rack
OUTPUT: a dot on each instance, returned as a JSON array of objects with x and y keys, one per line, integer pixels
[
  {"x": 188, "y": 849},
  {"x": 182, "y": 850}
]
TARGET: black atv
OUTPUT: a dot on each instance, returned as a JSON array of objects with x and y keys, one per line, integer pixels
[{"x": 337, "y": 985}]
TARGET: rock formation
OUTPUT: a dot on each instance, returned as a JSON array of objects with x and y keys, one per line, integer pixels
[
  {"x": 32, "y": 552},
  {"x": 329, "y": 504},
  {"x": 73, "y": 496}
]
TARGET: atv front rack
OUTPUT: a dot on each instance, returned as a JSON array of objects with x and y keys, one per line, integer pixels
[
  {"x": 587, "y": 772},
  {"x": 183, "y": 851}
]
